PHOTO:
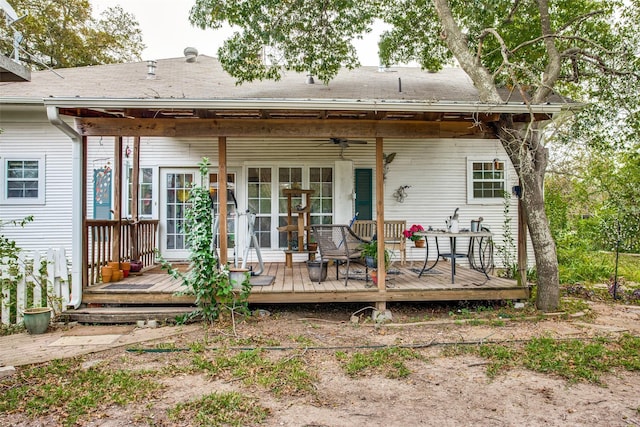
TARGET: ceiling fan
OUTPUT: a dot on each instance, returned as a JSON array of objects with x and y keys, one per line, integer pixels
[{"x": 342, "y": 142}]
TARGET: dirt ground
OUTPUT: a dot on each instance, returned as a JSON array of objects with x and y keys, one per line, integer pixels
[{"x": 439, "y": 391}]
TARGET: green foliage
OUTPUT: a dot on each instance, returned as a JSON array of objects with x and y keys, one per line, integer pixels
[
  {"x": 206, "y": 279},
  {"x": 65, "y": 34},
  {"x": 389, "y": 361},
  {"x": 507, "y": 250},
  {"x": 302, "y": 36},
  {"x": 218, "y": 409},
  {"x": 370, "y": 250},
  {"x": 574, "y": 360},
  {"x": 65, "y": 389},
  {"x": 286, "y": 376}
]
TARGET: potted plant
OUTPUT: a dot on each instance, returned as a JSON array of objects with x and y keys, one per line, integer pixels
[
  {"x": 370, "y": 254},
  {"x": 410, "y": 233},
  {"x": 312, "y": 245}
]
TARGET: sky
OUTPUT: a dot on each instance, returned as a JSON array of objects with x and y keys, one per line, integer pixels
[{"x": 166, "y": 30}]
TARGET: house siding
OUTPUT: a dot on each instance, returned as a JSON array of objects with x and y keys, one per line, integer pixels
[
  {"x": 436, "y": 170},
  {"x": 33, "y": 135}
]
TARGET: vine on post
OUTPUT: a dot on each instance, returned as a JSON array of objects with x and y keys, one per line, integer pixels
[{"x": 206, "y": 279}]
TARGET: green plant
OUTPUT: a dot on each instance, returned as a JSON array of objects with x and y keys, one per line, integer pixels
[
  {"x": 19, "y": 269},
  {"x": 507, "y": 250},
  {"x": 64, "y": 389},
  {"x": 218, "y": 409},
  {"x": 389, "y": 361},
  {"x": 206, "y": 279},
  {"x": 370, "y": 250}
]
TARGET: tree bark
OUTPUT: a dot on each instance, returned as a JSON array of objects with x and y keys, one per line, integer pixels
[
  {"x": 529, "y": 157},
  {"x": 524, "y": 147}
]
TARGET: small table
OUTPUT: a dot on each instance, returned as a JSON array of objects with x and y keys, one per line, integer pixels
[{"x": 473, "y": 235}]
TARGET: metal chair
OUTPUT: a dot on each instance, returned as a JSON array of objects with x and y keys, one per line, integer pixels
[{"x": 339, "y": 243}]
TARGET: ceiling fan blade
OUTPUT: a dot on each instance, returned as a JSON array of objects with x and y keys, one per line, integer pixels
[{"x": 356, "y": 141}]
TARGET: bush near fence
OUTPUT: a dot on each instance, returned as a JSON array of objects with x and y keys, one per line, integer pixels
[{"x": 34, "y": 280}]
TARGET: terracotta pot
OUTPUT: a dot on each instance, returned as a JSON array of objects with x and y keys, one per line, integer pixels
[
  {"x": 419, "y": 243},
  {"x": 117, "y": 275},
  {"x": 114, "y": 265},
  {"x": 106, "y": 273},
  {"x": 125, "y": 265}
]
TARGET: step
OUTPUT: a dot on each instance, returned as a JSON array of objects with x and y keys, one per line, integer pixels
[{"x": 117, "y": 315}]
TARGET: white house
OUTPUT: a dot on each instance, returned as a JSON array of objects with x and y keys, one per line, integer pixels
[{"x": 70, "y": 127}]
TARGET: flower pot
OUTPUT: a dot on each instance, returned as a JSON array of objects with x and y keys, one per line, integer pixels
[
  {"x": 419, "y": 243},
  {"x": 115, "y": 265},
  {"x": 312, "y": 247},
  {"x": 136, "y": 266},
  {"x": 106, "y": 273},
  {"x": 317, "y": 270},
  {"x": 374, "y": 277},
  {"x": 117, "y": 275},
  {"x": 125, "y": 265},
  {"x": 36, "y": 320}
]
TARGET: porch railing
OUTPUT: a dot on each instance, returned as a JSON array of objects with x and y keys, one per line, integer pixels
[{"x": 137, "y": 242}]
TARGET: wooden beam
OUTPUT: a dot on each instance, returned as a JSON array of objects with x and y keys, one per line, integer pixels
[
  {"x": 85, "y": 236},
  {"x": 381, "y": 306},
  {"x": 281, "y": 128},
  {"x": 135, "y": 199},
  {"x": 117, "y": 198},
  {"x": 522, "y": 244},
  {"x": 222, "y": 198}
]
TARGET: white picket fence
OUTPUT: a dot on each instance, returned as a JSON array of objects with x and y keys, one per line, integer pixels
[{"x": 55, "y": 284}]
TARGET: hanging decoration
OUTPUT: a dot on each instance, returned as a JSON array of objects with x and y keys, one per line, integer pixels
[{"x": 401, "y": 193}]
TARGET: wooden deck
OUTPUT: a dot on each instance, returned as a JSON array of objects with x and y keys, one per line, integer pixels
[{"x": 292, "y": 285}]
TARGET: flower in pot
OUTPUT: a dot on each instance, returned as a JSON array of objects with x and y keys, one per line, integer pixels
[{"x": 410, "y": 234}]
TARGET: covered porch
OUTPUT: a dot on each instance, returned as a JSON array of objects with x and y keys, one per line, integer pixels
[{"x": 281, "y": 284}]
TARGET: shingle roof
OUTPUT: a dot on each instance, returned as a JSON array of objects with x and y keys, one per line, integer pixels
[{"x": 205, "y": 79}]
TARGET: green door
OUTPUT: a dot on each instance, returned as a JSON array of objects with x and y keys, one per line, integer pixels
[{"x": 364, "y": 193}]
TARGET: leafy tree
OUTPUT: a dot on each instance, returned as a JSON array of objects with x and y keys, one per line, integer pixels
[
  {"x": 63, "y": 33},
  {"x": 582, "y": 49}
]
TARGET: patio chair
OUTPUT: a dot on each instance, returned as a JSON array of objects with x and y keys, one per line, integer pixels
[{"x": 339, "y": 243}]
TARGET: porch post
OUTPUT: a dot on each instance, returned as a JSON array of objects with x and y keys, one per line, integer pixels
[
  {"x": 135, "y": 199},
  {"x": 82, "y": 170},
  {"x": 381, "y": 306},
  {"x": 522, "y": 245},
  {"x": 117, "y": 196},
  {"x": 222, "y": 197}
]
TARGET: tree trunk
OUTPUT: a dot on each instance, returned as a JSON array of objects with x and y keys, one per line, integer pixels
[{"x": 529, "y": 157}]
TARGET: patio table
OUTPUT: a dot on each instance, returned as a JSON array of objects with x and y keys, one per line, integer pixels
[{"x": 474, "y": 236}]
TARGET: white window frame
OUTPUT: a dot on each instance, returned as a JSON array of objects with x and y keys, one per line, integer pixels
[
  {"x": 485, "y": 200},
  {"x": 40, "y": 200}
]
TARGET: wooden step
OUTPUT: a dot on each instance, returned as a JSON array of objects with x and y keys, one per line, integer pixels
[{"x": 116, "y": 315}]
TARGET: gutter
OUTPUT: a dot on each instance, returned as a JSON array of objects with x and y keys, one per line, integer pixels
[
  {"x": 76, "y": 210},
  {"x": 307, "y": 104}
]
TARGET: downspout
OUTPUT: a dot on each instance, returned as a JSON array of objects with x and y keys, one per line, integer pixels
[{"x": 76, "y": 204}]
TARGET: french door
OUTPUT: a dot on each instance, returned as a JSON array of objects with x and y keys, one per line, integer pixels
[{"x": 174, "y": 192}]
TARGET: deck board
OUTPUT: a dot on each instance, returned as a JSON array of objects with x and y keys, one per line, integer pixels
[{"x": 293, "y": 285}]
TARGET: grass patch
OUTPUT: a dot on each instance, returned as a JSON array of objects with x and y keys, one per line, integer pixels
[
  {"x": 574, "y": 360},
  {"x": 284, "y": 376},
  {"x": 63, "y": 389},
  {"x": 218, "y": 409},
  {"x": 388, "y": 361}
]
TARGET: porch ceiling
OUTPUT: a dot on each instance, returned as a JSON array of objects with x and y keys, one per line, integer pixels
[{"x": 289, "y": 122}]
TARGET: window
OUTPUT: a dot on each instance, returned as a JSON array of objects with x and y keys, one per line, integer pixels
[
  {"x": 259, "y": 198},
  {"x": 145, "y": 193},
  {"x": 23, "y": 180},
  {"x": 287, "y": 178},
  {"x": 321, "y": 181},
  {"x": 487, "y": 180}
]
